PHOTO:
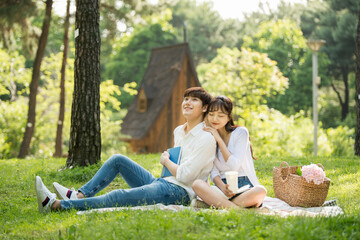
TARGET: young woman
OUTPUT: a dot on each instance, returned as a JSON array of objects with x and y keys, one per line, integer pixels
[{"x": 233, "y": 154}]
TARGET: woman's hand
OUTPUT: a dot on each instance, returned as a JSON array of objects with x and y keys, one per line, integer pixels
[
  {"x": 227, "y": 191},
  {"x": 164, "y": 157},
  {"x": 214, "y": 132}
]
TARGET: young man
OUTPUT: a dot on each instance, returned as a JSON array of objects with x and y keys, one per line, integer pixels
[{"x": 198, "y": 154}]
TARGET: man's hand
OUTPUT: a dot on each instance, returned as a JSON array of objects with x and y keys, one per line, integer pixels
[{"x": 165, "y": 156}]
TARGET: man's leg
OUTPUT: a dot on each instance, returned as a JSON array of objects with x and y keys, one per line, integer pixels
[
  {"x": 159, "y": 191},
  {"x": 133, "y": 174}
]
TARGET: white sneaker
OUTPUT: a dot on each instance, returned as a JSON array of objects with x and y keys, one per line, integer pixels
[
  {"x": 44, "y": 197},
  {"x": 65, "y": 193}
]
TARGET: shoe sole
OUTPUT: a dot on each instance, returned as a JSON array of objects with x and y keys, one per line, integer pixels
[
  {"x": 58, "y": 194},
  {"x": 40, "y": 207}
]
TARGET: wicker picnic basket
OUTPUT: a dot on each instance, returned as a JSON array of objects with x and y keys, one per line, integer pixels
[{"x": 295, "y": 190}]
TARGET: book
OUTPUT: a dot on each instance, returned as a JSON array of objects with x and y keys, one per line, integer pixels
[
  {"x": 240, "y": 191},
  {"x": 175, "y": 157},
  {"x": 237, "y": 193}
]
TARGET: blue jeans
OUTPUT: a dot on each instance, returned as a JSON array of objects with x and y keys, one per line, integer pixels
[
  {"x": 242, "y": 181},
  {"x": 145, "y": 188}
]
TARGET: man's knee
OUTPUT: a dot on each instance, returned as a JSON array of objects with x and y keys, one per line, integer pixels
[{"x": 118, "y": 158}]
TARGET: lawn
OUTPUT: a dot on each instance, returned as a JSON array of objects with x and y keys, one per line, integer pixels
[{"x": 20, "y": 219}]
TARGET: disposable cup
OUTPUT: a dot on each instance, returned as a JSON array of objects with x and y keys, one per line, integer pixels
[{"x": 232, "y": 180}]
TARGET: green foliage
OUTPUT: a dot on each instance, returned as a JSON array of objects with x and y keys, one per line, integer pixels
[
  {"x": 110, "y": 123},
  {"x": 118, "y": 18},
  {"x": 282, "y": 40},
  {"x": 329, "y": 109},
  {"x": 13, "y": 113},
  {"x": 335, "y": 23},
  {"x": 206, "y": 30},
  {"x": 16, "y": 32},
  {"x": 274, "y": 134},
  {"x": 14, "y": 82},
  {"x": 245, "y": 76},
  {"x": 13, "y": 75},
  {"x": 12, "y": 126},
  {"x": 55, "y": 43},
  {"x": 285, "y": 11},
  {"x": 284, "y": 43},
  {"x": 20, "y": 218},
  {"x": 342, "y": 140},
  {"x": 43, "y": 142},
  {"x": 107, "y": 92},
  {"x": 130, "y": 55},
  {"x": 302, "y": 86}
]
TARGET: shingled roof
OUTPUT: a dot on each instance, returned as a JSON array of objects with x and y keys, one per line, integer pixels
[{"x": 164, "y": 67}]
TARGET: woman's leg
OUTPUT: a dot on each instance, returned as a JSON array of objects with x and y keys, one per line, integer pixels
[
  {"x": 133, "y": 174},
  {"x": 210, "y": 196},
  {"x": 159, "y": 191},
  {"x": 252, "y": 198}
]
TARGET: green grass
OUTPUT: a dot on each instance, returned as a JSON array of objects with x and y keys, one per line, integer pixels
[{"x": 20, "y": 219}]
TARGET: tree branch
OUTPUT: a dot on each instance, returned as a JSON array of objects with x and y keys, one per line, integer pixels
[{"x": 337, "y": 93}]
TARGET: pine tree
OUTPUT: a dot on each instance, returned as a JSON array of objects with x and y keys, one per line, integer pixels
[{"x": 85, "y": 133}]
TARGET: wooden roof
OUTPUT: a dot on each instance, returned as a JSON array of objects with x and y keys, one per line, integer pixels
[{"x": 162, "y": 73}]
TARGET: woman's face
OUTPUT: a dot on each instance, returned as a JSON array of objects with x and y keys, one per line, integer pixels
[{"x": 217, "y": 119}]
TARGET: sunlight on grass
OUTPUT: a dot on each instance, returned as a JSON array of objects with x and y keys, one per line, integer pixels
[{"x": 20, "y": 218}]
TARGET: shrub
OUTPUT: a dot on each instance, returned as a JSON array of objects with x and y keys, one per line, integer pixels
[
  {"x": 274, "y": 134},
  {"x": 12, "y": 122},
  {"x": 341, "y": 140}
]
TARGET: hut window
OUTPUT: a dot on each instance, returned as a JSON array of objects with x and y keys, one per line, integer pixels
[{"x": 142, "y": 101}]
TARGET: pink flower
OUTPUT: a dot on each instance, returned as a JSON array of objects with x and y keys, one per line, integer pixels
[{"x": 313, "y": 173}]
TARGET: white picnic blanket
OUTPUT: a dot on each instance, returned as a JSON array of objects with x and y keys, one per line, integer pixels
[
  {"x": 271, "y": 206},
  {"x": 276, "y": 206}
]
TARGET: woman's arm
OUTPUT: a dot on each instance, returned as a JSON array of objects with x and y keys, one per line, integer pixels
[
  {"x": 223, "y": 148},
  {"x": 223, "y": 187}
]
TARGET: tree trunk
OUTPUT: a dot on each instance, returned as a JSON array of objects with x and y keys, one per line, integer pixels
[
  {"x": 357, "y": 86},
  {"x": 345, "y": 106},
  {"x": 60, "y": 124},
  {"x": 30, "y": 125},
  {"x": 85, "y": 133}
]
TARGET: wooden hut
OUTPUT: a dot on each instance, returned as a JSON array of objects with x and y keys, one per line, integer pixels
[{"x": 156, "y": 110}]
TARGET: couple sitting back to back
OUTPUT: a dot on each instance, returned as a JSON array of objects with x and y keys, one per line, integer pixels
[{"x": 215, "y": 148}]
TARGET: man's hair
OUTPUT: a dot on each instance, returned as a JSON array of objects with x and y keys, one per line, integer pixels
[{"x": 200, "y": 93}]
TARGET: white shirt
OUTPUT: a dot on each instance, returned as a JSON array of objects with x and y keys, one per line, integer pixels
[
  {"x": 240, "y": 159},
  {"x": 198, "y": 154}
]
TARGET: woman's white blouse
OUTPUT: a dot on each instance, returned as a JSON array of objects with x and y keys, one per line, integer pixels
[{"x": 240, "y": 159}]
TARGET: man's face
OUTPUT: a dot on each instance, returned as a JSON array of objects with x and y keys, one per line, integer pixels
[{"x": 192, "y": 107}]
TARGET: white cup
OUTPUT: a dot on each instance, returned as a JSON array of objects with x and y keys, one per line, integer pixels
[{"x": 232, "y": 180}]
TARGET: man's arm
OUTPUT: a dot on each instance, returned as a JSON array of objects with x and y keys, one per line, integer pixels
[
  {"x": 202, "y": 155},
  {"x": 165, "y": 160}
]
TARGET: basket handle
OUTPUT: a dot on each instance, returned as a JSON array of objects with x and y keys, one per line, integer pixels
[
  {"x": 320, "y": 165},
  {"x": 288, "y": 169},
  {"x": 287, "y": 165}
]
